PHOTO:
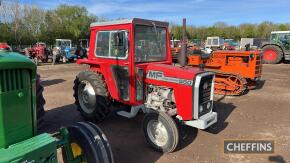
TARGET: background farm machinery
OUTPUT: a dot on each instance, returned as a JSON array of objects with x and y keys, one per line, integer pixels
[
  {"x": 39, "y": 52},
  {"x": 278, "y": 48},
  {"x": 236, "y": 71},
  {"x": 64, "y": 51},
  {"x": 4, "y": 46}
]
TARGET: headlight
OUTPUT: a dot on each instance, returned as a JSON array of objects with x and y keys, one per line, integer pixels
[{"x": 200, "y": 108}]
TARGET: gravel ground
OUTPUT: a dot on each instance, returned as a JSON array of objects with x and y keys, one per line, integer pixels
[{"x": 261, "y": 114}]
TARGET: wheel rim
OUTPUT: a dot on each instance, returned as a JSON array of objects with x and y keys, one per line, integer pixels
[
  {"x": 157, "y": 133},
  {"x": 87, "y": 97},
  {"x": 270, "y": 55},
  {"x": 77, "y": 152}
]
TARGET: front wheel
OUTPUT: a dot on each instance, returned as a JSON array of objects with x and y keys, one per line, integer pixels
[
  {"x": 160, "y": 131},
  {"x": 87, "y": 143}
]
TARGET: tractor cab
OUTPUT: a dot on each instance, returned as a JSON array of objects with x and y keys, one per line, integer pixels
[
  {"x": 282, "y": 37},
  {"x": 126, "y": 47},
  {"x": 214, "y": 43}
]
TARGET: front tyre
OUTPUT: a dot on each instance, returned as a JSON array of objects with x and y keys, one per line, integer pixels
[
  {"x": 88, "y": 144},
  {"x": 160, "y": 131},
  {"x": 91, "y": 96}
]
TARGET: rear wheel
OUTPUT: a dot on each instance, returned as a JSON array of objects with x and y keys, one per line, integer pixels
[
  {"x": 40, "y": 101},
  {"x": 272, "y": 54},
  {"x": 92, "y": 96},
  {"x": 160, "y": 131},
  {"x": 88, "y": 144}
]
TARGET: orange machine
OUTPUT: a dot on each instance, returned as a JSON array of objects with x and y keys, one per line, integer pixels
[
  {"x": 176, "y": 50},
  {"x": 236, "y": 71}
]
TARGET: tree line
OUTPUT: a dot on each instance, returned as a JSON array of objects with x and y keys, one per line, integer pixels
[
  {"x": 22, "y": 24},
  {"x": 223, "y": 30}
]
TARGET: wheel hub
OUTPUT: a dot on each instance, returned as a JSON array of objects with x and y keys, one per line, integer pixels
[
  {"x": 270, "y": 55},
  {"x": 77, "y": 152},
  {"x": 87, "y": 97},
  {"x": 157, "y": 133}
]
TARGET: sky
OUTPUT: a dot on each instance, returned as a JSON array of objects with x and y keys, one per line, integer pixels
[{"x": 197, "y": 12}]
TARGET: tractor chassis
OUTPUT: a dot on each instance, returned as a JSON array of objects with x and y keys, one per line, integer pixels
[{"x": 202, "y": 123}]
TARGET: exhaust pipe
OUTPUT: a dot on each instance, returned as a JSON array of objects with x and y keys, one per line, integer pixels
[{"x": 182, "y": 60}]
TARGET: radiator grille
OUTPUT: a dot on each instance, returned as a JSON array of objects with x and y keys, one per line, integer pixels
[
  {"x": 14, "y": 79},
  {"x": 205, "y": 94}
]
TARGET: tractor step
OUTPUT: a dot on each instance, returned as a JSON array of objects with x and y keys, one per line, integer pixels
[{"x": 132, "y": 113}]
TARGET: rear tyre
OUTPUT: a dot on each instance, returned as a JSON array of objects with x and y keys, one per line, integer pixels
[
  {"x": 91, "y": 96},
  {"x": 88, "y": 142},
  {"x": 160, "y": 131},
  {"x": 40, "y": 101},
  {"x": 272, "y": 54}
]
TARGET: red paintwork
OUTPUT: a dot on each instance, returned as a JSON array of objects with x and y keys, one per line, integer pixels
[
  {"x": 4, "y": 46},
  {"x": 229, "y": 47},
  {"x": 270, "y": 55},
  {"x": 183, "y": 93}
]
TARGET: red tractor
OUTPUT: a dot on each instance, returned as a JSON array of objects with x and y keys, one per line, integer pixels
[
  {"x": 130, "y": 63},
  {"x": 39, "y": 52},
  {"x": 4, "y": 46}
]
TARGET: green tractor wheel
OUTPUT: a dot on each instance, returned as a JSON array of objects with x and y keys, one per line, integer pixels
[{"x": 87, "y": 143}]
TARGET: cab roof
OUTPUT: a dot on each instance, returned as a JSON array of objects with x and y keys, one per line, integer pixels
[
  {"x": 280, "y": 32},
  {"x": 131, "y": 21}
]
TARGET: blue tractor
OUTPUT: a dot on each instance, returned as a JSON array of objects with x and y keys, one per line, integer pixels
[{"x": 63, "y": 51}]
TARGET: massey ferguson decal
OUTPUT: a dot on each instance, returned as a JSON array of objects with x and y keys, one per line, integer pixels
[{"x": 158, "y": 75}]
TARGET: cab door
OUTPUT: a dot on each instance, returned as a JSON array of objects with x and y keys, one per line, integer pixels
[{"x": 112, "y": 48}]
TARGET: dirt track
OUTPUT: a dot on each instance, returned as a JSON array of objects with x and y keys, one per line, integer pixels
[{"x": 261, "y": 114}]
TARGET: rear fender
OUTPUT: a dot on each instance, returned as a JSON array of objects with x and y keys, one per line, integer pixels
[{"x": 107, "y": 74}]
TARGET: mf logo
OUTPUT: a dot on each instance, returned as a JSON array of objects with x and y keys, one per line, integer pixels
[{"x": 155, "y": 74}]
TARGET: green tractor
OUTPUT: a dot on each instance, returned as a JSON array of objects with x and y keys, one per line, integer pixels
[
  {"x": 21, "y": 104},
  {"x": 278, "y": 48}
]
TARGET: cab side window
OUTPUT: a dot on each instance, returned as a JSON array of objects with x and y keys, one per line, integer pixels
[
  {"x": 102, "y": 46},
  {"x": 112, "y": 44}
]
